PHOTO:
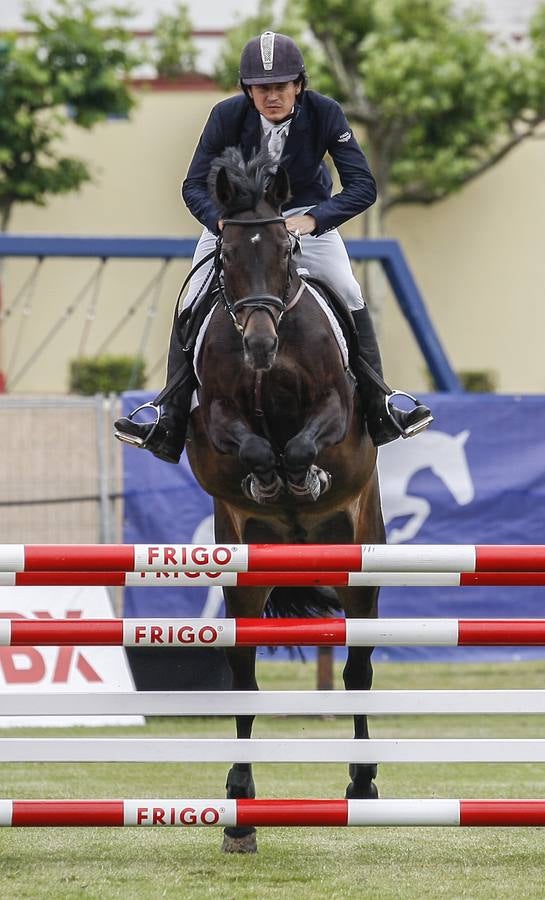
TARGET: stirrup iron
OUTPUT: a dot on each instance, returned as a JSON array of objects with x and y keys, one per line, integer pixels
[
  {"x": 133, "y": 439},
  {"x": 411, "y": 430}
]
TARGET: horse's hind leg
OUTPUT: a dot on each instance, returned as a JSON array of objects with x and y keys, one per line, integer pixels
[
  {"x": 240, "y": 783},
  {"x": 358, "y": 675}
]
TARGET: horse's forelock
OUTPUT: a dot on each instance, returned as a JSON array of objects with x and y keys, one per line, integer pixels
[{"x": 248, "y": 180}]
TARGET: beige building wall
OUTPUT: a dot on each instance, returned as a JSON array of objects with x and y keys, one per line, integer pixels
[{"x": 478, "y": 258}]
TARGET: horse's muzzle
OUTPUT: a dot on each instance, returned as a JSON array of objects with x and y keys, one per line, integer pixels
[{"x": 260, "y": 350}]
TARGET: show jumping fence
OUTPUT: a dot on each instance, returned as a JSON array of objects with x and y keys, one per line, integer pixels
[{"x": 273, "y": 562}]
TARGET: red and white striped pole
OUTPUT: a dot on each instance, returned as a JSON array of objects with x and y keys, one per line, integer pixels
[
  {"x": 274, "y": 579},
  {"x": 272, "y": 632},
  {"x": 190, "y": 813},
  {"x": 272, "y": 557}
]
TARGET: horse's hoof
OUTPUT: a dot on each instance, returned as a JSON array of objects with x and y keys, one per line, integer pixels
[
  {"x": 317, "y": 482},
  {"x": 258, "y": 491},
  {"x": 246, "y": 844},
  {"x": 369, "y": 793}
]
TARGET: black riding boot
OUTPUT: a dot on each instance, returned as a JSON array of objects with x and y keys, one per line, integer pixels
[
  {"x": 165, "y": 438},
  {"x": 385, "y": 422}
]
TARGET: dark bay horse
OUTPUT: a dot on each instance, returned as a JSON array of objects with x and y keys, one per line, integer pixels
[{"x": 277, "y": 438}]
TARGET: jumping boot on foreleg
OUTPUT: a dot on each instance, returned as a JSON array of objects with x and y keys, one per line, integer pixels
[{"x": 385, "y": 422}]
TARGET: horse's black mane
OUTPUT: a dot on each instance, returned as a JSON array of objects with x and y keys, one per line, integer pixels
[{"x": 249, "y": 180}]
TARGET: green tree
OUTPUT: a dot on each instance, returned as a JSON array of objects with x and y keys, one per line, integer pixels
[
  {"x": 71, "y": 68},
  {"x": 226, "y": 70},
  {"x": 291, "y": 22},
  {"x": 175, "y": 53},
  {"x": 439, "y": 100}
]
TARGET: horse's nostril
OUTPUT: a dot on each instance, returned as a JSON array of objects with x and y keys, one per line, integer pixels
[
  {"x": 261, "y": 344},
  {"x": 260, "y": 352}
]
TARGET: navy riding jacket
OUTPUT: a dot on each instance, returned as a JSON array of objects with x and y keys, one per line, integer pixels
[{"x": 319, "y": 126}]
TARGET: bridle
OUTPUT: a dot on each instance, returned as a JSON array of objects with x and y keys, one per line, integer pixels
[{"x": 274, "y": 306}]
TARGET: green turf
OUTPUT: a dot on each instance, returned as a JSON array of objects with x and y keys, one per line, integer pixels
[{"x": 298, "y": 863}]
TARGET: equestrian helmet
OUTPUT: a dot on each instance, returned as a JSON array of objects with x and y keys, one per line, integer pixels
[{"x": 271, "y": 58}]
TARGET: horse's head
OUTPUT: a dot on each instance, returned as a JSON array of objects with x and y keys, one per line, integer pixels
[{"x": 255, "y": 249}]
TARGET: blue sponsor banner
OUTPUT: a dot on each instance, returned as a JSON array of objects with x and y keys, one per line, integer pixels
[{"x": 476, "y": 477}]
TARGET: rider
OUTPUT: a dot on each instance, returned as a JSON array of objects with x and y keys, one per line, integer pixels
[{"x": 300, "y": 126}]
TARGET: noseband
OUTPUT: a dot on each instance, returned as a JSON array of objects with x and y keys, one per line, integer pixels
[{"x": 266, "y": 302}]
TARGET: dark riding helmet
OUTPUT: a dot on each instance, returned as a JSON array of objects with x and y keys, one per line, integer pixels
[{"x": 271, "y": 58}]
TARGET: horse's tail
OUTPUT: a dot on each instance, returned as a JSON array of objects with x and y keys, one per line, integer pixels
[{"x": 301, "y": 602}]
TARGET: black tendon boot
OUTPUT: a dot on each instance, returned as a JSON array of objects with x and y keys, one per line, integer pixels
[
  {"x": 165, "y": 437},
  {"x": 385, "y": 422}
]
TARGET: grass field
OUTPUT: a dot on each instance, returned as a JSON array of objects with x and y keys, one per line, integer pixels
[{"x": 291, "y": 863}]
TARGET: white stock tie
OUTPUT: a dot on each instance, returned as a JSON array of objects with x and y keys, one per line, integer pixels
[
  {"x": 275, "y": 144},
  {"x": 277, "y": 137}
]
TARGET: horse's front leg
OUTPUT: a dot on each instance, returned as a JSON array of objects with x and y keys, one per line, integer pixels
[
  {"x": 231, "y": 433},
  {"x": 325, "y": 426},
  {"x": 358, "y": 676}
]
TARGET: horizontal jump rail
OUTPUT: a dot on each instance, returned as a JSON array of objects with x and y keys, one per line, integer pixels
[
  {"x": 191, "y": 813},
  {"x": 272, "y": 632},
  {"x": 335, "y": 750},
  {"x": 272, "y": 557},
  {"x": 276, "y": 703},
  {"x": 273, "y": 579}
]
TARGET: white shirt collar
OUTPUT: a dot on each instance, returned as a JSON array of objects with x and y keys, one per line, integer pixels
[{"x": 268, "y": 126}]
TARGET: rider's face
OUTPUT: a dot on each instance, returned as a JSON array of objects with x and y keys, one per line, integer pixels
[{"x": 274, "y": 101}]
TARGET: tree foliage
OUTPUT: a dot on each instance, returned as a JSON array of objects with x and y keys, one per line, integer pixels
[
  {"x": 440, "y": 100},
  {"x": 291, "y": 21},
  {"x": 71, "y": 68},
  {"x": 175, "y": 53}
]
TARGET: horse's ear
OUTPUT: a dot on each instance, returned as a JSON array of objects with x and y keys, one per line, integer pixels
[
  {"x": 224, "y": 190},
  {"x": 278, "y": 191}
]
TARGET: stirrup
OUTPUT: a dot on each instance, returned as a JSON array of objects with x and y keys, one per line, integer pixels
[
  {"x": 411, "y": 430},
  {"x": 133, "y": 439}
]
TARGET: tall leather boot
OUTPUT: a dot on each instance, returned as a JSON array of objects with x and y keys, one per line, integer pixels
[
  {"x": 165, "y": 438},
  {"x": 385, "y": 422}
]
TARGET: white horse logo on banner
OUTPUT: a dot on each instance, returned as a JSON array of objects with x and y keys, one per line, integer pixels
[{"x": 445, "y": 455}]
